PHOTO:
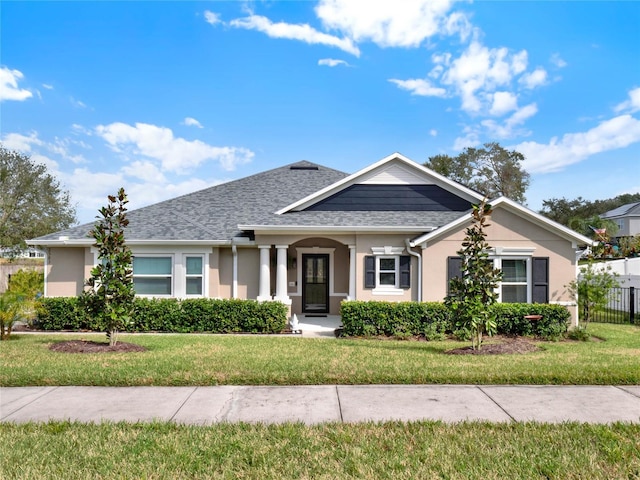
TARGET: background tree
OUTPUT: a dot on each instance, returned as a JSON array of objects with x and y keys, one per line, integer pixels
[
  {"x": 492, "y": 171},
  {"x": 472, "y": 294},
  {"x": 32, "y": 202},
  {"x": 566, "y": 211},
  {"x": 110, "y": 298}
]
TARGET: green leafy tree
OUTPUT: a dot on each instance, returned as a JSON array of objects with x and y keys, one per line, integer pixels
[
  {"x": 32, "y": 202},
  {"x": 27, "y": 282},
  {"x": 110, "y": 298},
  {"x": 492, "y": 170},
  {"x": 592, "y": 289},
  {"x": 12, "y": 309},
  {"x": 566, "y": 211},
  {"x": 474, "y": 292}
]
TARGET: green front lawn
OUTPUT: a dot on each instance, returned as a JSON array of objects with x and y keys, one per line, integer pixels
[
  {"x": 394, "y": 450},
  {"x": 189, "y": 359}
]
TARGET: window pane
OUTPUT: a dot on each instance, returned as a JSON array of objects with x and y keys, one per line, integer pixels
[
  {"x": 514, "y": 270},
  {"x": 152, "y": 285},
  {"x": 514, "y": 294},
  {"x": 194, "y": 265},
  {"x": 152, "y": 265},
  {"x": 388, "y": 279},
  {"x": 387, "y": 264},
  {"x": 194, "y": 286}
]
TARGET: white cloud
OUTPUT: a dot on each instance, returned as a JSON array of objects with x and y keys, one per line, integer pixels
[
  {"x": 391, "y": 24},
  {"x": 433, "y": 132},
  {"x": 631, "y": 105},
  {"x": 47, "y": 86},
  {"x": 9, "y": 85},
  {"x": 503, "y": 102},
  {"x": 174, "y": 154},
  {"x": 191, "y": 122},
  {"x": 470, "y": 139},
  {"x": 145, "y": 170},
  {"x": 480, "y": 70},
  {"x": 302, "y": 32},
  {"x": 211, "y": 17},
  {"x": 419, "y": 86},
  {"x": 21, "y": 143},
  {"x": 558, "y": 61},
  {"x": 77, "y": 103},
  {"x": 534, "y": 79},
  {"x": 508, "y": 128},
  {"x": 332, "y": 62},
  {"x": 618, "y": 132}
]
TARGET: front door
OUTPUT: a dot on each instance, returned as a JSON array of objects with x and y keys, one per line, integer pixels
[{"x": 315, "y": 283}]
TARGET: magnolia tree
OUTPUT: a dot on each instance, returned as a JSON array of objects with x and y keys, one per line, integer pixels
[
  {"x": 110, "y": 298},
  {"x": 472, "y": 294}
]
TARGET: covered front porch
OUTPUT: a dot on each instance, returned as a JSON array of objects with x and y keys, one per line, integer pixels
[{"x": 312, "y": 275}]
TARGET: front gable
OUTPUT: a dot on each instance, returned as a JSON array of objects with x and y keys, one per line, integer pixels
[{"x": 395, "y": 183}]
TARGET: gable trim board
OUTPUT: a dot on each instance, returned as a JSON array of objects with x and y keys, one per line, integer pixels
[{"x": 251, "y": 232}]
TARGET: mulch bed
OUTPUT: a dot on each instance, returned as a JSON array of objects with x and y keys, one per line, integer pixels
[
  {"x": 506, "y": 345},
  {"x": 89, "y": 346}
]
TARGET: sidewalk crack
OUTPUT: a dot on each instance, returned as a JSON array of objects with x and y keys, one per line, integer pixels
[{"x": 497, "y": 404}]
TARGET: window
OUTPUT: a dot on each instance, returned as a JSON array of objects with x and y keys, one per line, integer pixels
[
  {"x": 153, "y": 275},
  {"x": 524, "y": 279},
  {"x": 388, "y": 273},
  {"x": 514, "y": 281},
  {"x": 194, "y": 277},
  {"x": 387, "y": 268}
]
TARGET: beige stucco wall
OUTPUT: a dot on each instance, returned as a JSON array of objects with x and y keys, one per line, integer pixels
[
  {"x": 66, "y": 271},
  {"x": 364, "y": 245},
  {"x": 506, "y": 230}
]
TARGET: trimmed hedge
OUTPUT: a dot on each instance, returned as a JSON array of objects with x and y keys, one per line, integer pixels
[
  {"x": 171, "y": 315},
  {"x": 432, "y": 319}
]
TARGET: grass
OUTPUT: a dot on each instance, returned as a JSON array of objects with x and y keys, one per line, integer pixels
[
  {"x": 270, "y": 360},
  {"x": 61, "y": 450}
]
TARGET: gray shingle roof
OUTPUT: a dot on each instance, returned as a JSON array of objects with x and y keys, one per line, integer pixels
[
  {"x": 213, "y": 214},
  {"x": 628, "y": 209}
]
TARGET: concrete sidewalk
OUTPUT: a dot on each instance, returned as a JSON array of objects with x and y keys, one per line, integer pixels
[{"x": 324, "y": 403}]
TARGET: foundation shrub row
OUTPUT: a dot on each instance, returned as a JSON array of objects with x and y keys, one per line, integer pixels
[
  {"x": 359, "y": 319},
  {"x": 171, "y": 315},
  {"x": 433, "y": 319}
]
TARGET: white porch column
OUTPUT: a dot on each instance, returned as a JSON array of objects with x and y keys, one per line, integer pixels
[
  {"x": 281, "y": 274},
  {"x": 352, "y": 272},
  {"x": 264, "y": 289}
]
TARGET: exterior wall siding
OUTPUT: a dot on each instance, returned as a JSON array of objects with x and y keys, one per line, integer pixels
[{"x": 67, "y": 270}]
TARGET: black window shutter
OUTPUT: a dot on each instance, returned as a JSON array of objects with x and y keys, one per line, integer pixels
[
  {"x": 540, "y": 279},
  {"x": 369, "y": 271},
  {"x": 454, "y": 269},
  {"x": 405, "y": 271}
]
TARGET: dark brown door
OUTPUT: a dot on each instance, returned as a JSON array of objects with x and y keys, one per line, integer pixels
[{"x": 315, "y": 283}]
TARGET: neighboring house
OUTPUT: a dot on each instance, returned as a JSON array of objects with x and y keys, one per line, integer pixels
[
  {"x": 311, "y": 237},
  {"x": 627, "y": 217}
]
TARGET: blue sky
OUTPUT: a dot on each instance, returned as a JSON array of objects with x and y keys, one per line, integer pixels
[{"x": 165, "y": 98}]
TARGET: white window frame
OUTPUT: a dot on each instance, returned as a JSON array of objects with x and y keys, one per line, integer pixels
[
  {"x": 526, "y": 254},
  {"x": 187, "y": 276},
  {"x": 172, "y": 276},
  {"x": 385, "y": 253}
]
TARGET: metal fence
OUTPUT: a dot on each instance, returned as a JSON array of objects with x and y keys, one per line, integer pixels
[{"x": 623, "y": 307}]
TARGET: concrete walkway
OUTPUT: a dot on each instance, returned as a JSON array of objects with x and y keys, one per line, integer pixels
[{"x": 325, "y": 403}]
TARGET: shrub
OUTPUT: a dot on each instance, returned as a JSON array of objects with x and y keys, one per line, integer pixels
[
  {"x": 434, "y": 319},
  {"x": 172, "y": 315},
  {"x": 431, "y": 319}
]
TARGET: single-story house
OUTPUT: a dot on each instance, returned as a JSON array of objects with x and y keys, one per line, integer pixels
[
  {"x": 311, "y": 237},
  {"x": 627, "y": 217}
]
